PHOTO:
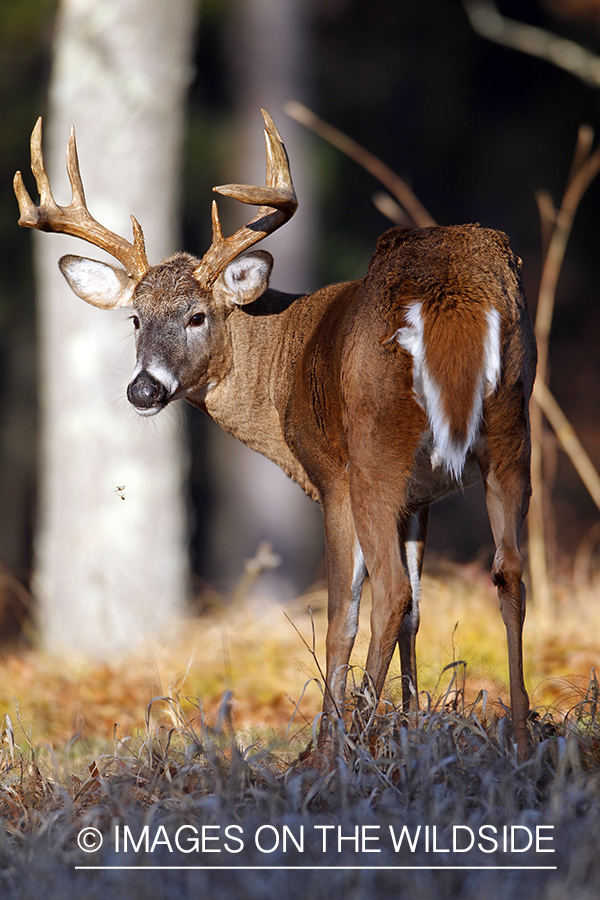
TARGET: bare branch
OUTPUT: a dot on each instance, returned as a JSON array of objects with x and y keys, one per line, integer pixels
[
  {"x": 580, "y": 178},
  {"x": 392, "y": 210},
  {"x": 569, "y": 440},
  {"x": 487, "y": 21},
  {"x": 548, "y": 214},
  {"x": 556, "y": 230},
  {"x": 395, "y": 185}
]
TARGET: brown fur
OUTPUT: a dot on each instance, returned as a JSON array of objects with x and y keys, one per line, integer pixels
[
  {"x": 320, "y": 385},
  {"x": 345, "y": 401},
  {"x": 370, "y": 394},
  {"x": 450, "y": 341}
]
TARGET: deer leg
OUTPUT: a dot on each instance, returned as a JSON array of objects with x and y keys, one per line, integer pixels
[
  {"x": 391, "y": 595},
  {"x": 507, "y": 490},
  {"x": 345, "y": 575},
  {"x": 413, "y": 536},
  {"x": 376, "y": 520}
]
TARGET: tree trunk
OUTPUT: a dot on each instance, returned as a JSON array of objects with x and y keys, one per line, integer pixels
[
  {"x": 269, "y": 53},
  {"x": 111, "y": 562}
]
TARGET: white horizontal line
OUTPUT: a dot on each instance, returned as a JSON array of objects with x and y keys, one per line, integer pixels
[{"x": 233, "y": 868}]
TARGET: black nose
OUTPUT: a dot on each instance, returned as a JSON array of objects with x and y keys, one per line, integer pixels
[{"x": 145, "y": 392}]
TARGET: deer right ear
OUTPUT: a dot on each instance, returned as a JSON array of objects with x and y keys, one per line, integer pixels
[
  {"x": 107, "y": 287},
  {"x": 247, "y": 277}
]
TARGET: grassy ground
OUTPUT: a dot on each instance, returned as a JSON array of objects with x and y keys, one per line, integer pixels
[
  {"x": 255, "y": 650},
  {"x": 88, "y": 747}
]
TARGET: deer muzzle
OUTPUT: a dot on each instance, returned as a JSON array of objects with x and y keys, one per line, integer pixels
[{"x": 147, "y": 394}]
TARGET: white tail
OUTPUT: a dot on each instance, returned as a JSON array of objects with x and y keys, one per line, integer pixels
[{"x": 451, "y": 442}]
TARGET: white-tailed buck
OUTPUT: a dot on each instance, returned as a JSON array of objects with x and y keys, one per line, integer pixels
[{"x": 378, "y": 396}]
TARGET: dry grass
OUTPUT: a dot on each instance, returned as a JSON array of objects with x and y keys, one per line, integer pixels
[
  {"x": 444, "y": 770},
  {"x": 253, "y": 650},
  {"x": 197, "y": 758}
]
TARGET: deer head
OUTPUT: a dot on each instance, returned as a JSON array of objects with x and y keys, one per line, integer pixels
[{"x": 180, "y": 305}]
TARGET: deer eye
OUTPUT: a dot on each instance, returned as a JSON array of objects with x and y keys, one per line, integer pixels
[{"x": 197, "y": 319}]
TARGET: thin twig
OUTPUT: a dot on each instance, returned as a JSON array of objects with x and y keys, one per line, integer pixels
[
  {"x": 548, "y": 214},
  {"x": 580, "y": 179},
  {"x": 570, "y": 442},
  {"x": 395, "y": 185},
  {"x": 487, "y": 21},
  {"x": 313, "y": 653},
  {"x": 557, "y": 224}
]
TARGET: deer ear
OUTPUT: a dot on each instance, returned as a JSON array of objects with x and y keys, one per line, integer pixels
[
  {"x": 247, "y": 277},
  {"x": 96, "y": 282}
]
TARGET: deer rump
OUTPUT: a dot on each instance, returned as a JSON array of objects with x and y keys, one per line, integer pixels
[{"x": 441, "y": 306}]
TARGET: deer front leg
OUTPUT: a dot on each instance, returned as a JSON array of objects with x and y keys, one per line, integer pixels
[
  {"x": 345, "y": 575},
  {"x": 413, "y": 536},
  {"x": 391, "y": 595}
]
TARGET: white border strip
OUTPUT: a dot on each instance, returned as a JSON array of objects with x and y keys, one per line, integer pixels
[{"x": 234, "y": 868}]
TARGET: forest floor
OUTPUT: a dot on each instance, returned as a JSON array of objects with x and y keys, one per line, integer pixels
[
  {"x": 262, "y": 652},
  {"x": 182, "y": 761}
]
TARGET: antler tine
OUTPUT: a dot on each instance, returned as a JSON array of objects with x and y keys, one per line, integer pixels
[
  {"x": 74, "y": 219},
  {"x": 27, "y": 208},
  {"x": 278, "y": 164},
  {"x": 277, "y": 203},
  {"x": 38, "y": 167},
  {"x": 72, "y": 159},
  {"x": 217, "y": 233}
]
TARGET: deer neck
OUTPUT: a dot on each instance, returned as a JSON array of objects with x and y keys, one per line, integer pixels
[{"x": 248, "y": 402}]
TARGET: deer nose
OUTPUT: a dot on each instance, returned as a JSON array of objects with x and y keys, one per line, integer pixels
[{"x": 146, "y": 393}]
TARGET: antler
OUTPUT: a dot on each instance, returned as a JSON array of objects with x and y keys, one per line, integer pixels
[
  {"x": 74, "y": 219},
  {"x": 277, "y": 201}
]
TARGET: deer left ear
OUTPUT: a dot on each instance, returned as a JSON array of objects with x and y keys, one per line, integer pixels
[
  {"x": 96, "y": 282},
  {"x": 247, "y": 277}
]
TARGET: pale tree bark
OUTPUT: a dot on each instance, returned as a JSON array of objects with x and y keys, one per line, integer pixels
[
  {"x": 110, "y": 572},
  {"x": 269, "y": 53}
]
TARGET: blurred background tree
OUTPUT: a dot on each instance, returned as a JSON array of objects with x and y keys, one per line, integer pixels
[
  {"x": 477, "y": 129},
  {"x": 269, "y": 48},
  {"x": 107, "y": 573}
]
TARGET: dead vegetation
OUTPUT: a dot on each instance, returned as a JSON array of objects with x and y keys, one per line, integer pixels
[
  {"x": 204, "y": 736},
  {"x": 185, "y": 777}
]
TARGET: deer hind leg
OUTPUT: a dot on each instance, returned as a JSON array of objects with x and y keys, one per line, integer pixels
[
  {"x": 345, "y": 575},
  {"x": 413, "y": 535},
  {"x": 507, "y": 487},
  {"x": 376, "y": 516}
]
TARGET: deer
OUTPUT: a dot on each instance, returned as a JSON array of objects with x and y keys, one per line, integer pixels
[{"x": 378, "y": 396}]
